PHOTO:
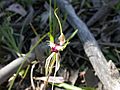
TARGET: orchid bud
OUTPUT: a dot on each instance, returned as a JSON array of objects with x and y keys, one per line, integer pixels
[{"x": 62, "y": 39}]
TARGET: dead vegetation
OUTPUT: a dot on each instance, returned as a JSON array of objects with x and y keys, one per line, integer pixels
[{"x": 90, "y": 61}]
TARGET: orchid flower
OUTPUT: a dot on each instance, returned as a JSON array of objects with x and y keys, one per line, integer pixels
[
  {"x": 54, "y": 57},
  {"x": 55, "y": 49}
]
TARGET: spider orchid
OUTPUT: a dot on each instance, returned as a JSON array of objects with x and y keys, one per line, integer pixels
[
  {"x": 55, "y": 49},
  {"x": 55, "y": 55}
]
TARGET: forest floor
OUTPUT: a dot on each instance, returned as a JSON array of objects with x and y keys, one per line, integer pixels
[{"x": 31, "y": 26}]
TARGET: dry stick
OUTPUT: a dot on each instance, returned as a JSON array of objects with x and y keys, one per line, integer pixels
[
  {"x": 91, "y": 48},
  {"x": 102, "y": 12},
  {"x": 8, "y": 70},
  {"x": 12, "y": 67},
  {"x": 31, "y": 77}
]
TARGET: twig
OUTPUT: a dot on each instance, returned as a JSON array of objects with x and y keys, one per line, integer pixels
[
  {"x": 21, "y": 62},
  {"x": 31, "y": 77},
  {"x": 12, "y": 67}
]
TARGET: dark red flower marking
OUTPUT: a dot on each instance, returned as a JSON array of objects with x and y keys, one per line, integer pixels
[{"x": 54, "y": 49}]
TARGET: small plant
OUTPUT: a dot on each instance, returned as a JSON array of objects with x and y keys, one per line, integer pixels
[
  {"x": 55, "y": 49},
  {"x": 54, "y": 57},
  {"x": 8, "y": 37}
]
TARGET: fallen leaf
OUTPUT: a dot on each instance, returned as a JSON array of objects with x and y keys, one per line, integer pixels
[{"x": 17, "y": 8}]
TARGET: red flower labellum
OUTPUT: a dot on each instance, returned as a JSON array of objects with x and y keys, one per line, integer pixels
[{"x": 54, "y": 49}]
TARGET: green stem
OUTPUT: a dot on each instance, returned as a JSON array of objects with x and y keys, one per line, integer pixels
[{"x": 58, "y": 20}]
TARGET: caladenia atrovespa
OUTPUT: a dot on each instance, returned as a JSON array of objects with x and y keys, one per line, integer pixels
[
  {"x": 54, "y": 57},
  {"x": 53, "y": 60}
]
